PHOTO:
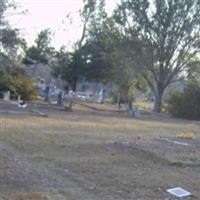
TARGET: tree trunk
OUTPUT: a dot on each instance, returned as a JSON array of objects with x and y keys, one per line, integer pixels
[
  {"x": 158, "y": 100},
  {"x": 73, "y": 85},
  {"x": 46, "y": 94},
  {"x": 130, "y": 106}
]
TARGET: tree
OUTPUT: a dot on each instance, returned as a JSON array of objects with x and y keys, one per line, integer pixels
[
  {"x": 193, "y": 72},
  {"x": 68, "y": 66},
  {"x": 12, "y": 75},
  {"x": 108, "y": 60},
  {"x": 86, "y": 14},
  {"x": 72, "y": 66},
  {"x": 9, "y": 38},
  {"x": 41, "y": 51},
  {"x": 98, "y": 64},
  {"x": 162, "y": 37}
]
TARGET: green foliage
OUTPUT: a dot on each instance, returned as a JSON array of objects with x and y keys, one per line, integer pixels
[
  {"x": 18, "y": 72},
  {"x": 186, "y": 104},
  {"x": 67, "y": 66},
  {"x": 34, "y": 55},
  {"x": 41, "y": 51},
  {"x": 103, "y": 48},
  {"x": 12, "y": 77},
  {"x": 17, "y": 83},
  {"x": 39, "y": 79},
  {"x": 193, "y": 72},
  {"x": 162, "y": 38},
  {"x": 5, "y": 83},
  {"x": 9, "y": 38},
  {"x": 140, "y": 84},
  {"x": 25, "y": 88},
  {"x": 98, "y": 66},
  {"x": 43, "y": 39}
]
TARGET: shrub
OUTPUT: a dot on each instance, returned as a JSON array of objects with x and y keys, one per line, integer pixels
[
  {"x": 186, "y": 104},
  {"x": 18, "y": 84},
  {"x": 5, "y": 83},
  {"x": 25, "y": 88}
]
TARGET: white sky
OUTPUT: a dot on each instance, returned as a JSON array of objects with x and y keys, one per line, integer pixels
[{"x": 43, "y": 14}]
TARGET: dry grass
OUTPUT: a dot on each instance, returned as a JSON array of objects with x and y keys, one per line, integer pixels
[
  {"x": 34, "y": 196},
  {"x": 144, "y": 104},
  {"x": 82, "y": 144}
]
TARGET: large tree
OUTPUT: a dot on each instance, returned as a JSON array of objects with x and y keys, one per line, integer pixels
[
  {"x": 162, "y": 39},
  {"x": 78, "y": 64},
  {"x": 101, "y": 41}
]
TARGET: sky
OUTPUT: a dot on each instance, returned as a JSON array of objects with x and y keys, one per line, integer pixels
[{"x": 42, "y": 14}]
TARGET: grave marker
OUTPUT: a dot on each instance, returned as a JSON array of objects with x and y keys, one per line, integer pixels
[{"x": 6, "y": 96}]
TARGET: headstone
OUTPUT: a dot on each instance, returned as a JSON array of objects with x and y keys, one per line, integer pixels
[
  {"x": 137, "y": 112},
  {"x": 71, "y": 94},
  {"x": 18, "y": 99},
  {"x": 101, "y": 96},
  {"x": 89, "y": 96},
  {"x": 119, "y": 101},
  {"x": 46, "y": 93},
  {"x": 129, "y": 106},
  {"x": 6, "y": 96},
  {"x": 66, "y": 88},
  {"x": 21, "y": 103},
  {"x": 61, "y": 97}
]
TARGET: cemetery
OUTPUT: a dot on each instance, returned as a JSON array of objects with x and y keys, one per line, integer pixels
[{"x": 99, "y": 100}]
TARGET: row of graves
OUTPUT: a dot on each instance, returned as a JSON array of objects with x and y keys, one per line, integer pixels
[{"x": 50, "y": 97}]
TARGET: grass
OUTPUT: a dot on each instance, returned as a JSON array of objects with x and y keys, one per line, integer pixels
[
  {"x": 36, "y": 196},
  {"x": 80, "y": 155},
  {"x": 144, "y": 105}
]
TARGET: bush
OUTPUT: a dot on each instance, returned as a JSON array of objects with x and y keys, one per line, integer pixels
[
  {"x": 5, "y": 83},
  {"x": 18, "y": 84},
  {"x": 186, "y": 104},
  {"x": 25, "y": 88}
]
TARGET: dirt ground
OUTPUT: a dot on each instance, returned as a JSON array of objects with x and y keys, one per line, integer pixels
[{"x": 92, "y": 154}]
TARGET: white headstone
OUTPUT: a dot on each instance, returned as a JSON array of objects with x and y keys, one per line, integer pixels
[
  {"x": 101, "y": 96},
  {"x": 137, "y": 112},
  {"x": 21, "y": 103},
  {"x": 18, "y": 99},
  {"x": 6, "y": 96}
]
